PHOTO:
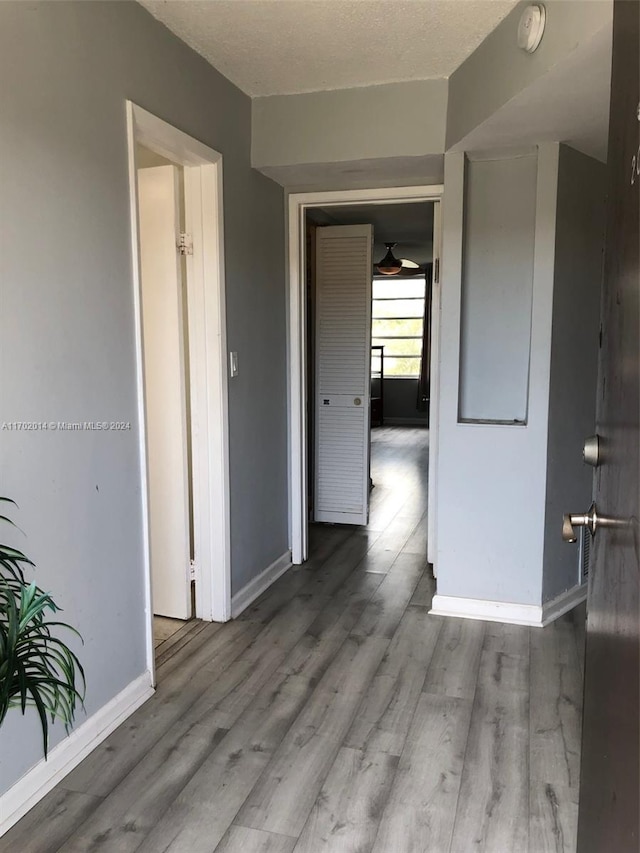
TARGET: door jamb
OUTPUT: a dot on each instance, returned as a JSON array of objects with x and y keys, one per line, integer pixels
[
  {"x": 207, "y": 357},
  {"x": 297, "y": 346}
]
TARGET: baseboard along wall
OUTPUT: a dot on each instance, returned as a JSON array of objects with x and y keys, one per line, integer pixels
[
  {"x": 66, "y": 755},
  {"x": 536, "y": 616},
  {"x": 248, "y": 594}
]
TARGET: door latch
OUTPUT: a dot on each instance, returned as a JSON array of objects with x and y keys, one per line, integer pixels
[{"x": 591, "y": 520}]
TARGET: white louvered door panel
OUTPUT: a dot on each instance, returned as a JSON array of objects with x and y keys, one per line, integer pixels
[{"x": 343, "y": 371}]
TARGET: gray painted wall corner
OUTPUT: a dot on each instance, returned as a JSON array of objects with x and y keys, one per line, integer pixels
[
  {"x": 492, "y": 478},
  {"x": 498, "y": 70},
  {"x": 258, "y": 395},
  {"x": 574, "y": 356}
]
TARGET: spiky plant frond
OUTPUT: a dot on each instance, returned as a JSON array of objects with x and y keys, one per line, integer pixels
[{"x": 37, "y": 669}]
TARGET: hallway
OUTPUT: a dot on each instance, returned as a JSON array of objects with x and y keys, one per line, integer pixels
[{"x": 337, "y": 715}]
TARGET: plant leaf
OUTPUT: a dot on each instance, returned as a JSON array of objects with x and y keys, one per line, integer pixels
[{"x": 37, "y": 668}]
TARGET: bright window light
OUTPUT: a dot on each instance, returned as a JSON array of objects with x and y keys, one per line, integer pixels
[{"x": 398, "y": 323}]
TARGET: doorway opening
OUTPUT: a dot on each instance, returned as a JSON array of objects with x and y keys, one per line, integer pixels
[
  {"x": 178, "y": 266},
  {"x": 376, "y": 433},
  {"x": 167, "y": 388}
]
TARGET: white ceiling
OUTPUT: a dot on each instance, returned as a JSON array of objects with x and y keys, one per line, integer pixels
[
  {"x": 274, "y": 47},
  {"x": 409, "y": 224},
  {"x": 358, "y": 174}
]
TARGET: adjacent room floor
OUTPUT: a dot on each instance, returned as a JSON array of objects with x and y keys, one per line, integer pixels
[
  {"x": 337, "y": 715},
  {"x": 165, "y": 629}
]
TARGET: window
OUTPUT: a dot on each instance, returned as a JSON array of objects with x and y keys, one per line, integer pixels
[{"x": 398, "y": 323}]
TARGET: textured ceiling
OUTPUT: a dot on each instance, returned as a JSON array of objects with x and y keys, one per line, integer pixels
[{"x": 270, "y": 47}]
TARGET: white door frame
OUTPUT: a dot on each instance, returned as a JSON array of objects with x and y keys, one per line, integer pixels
[
  {"x": 297, "y": 347},
  {"x": 207, "y": 357}
]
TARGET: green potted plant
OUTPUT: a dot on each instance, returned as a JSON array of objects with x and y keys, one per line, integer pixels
[{"x": 37, "y": 669}]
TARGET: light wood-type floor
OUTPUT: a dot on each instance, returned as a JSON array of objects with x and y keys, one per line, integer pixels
[
  {"x": 337, "y": 715},
  {"x": 164, "y": 630}
]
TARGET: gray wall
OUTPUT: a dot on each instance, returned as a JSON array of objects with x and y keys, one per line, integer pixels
[
  {"x": 498, "y": 70},
  {"x": 574, "y": 356},
  {"x": 401, "y": 402},
  {"x": 394, "y": 120},
  {"x": 67, "y": 347},
  {"x": 497, "y": 286},
  {"x": 492, "y": 478}
]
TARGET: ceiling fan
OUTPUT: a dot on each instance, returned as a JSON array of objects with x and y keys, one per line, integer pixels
[{"x": 390, "y": 265}]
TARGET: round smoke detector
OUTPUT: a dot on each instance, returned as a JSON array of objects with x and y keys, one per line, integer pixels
[{"x": 531, "y": 27}]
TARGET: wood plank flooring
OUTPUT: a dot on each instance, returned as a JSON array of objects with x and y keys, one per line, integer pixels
[{"x": 337, "y": 716}]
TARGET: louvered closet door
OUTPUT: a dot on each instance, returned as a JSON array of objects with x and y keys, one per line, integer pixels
[{"x": 343, "y": 370}]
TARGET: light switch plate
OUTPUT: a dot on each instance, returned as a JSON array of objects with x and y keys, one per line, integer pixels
[{"x": 233, "y": 364}]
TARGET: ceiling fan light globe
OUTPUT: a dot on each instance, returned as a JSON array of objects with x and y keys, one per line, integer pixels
[{"x": 389, "y": 265}]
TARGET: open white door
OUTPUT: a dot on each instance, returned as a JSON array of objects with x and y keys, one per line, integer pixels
[
  {"x": 165, "y": 402},
  {"x": 343, "y": 371}
]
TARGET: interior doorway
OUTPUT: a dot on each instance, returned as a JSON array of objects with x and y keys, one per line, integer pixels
[
  {"x": 165, "y": 343},
  {"x": 373, "y": 318},
  {"x": 178, "y": 268},
  {"x": 401, "y": 351}
]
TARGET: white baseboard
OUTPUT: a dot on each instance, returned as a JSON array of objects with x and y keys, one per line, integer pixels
[
  {"x": 487, "y": 611},
  {"x": 45, "y": 775},
  {"x": 248, "y": 594},
  {"x": 534, "y": 615},
  {"x": 563, "y": 603}
]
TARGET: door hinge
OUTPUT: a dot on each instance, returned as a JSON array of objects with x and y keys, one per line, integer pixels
[
  {"x": 436, "y": 270},
  {"x": 192, "y": 570},
  {"x": 185, "y": 244}
]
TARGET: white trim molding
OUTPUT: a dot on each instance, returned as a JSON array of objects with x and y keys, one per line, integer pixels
[
  {"x": 209, "y": 392},
  {"x": 563, "y": 603},
  {"x": 297, "y": 342},
  {"x": 66, "y": 755},
  {"x": 533, "y": 615},
  {"x": 248, "y": 594},
  {"x": 208, "y": 377}
]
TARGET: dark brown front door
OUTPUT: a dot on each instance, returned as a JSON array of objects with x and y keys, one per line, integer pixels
[{"x": 609, "y": 793}]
